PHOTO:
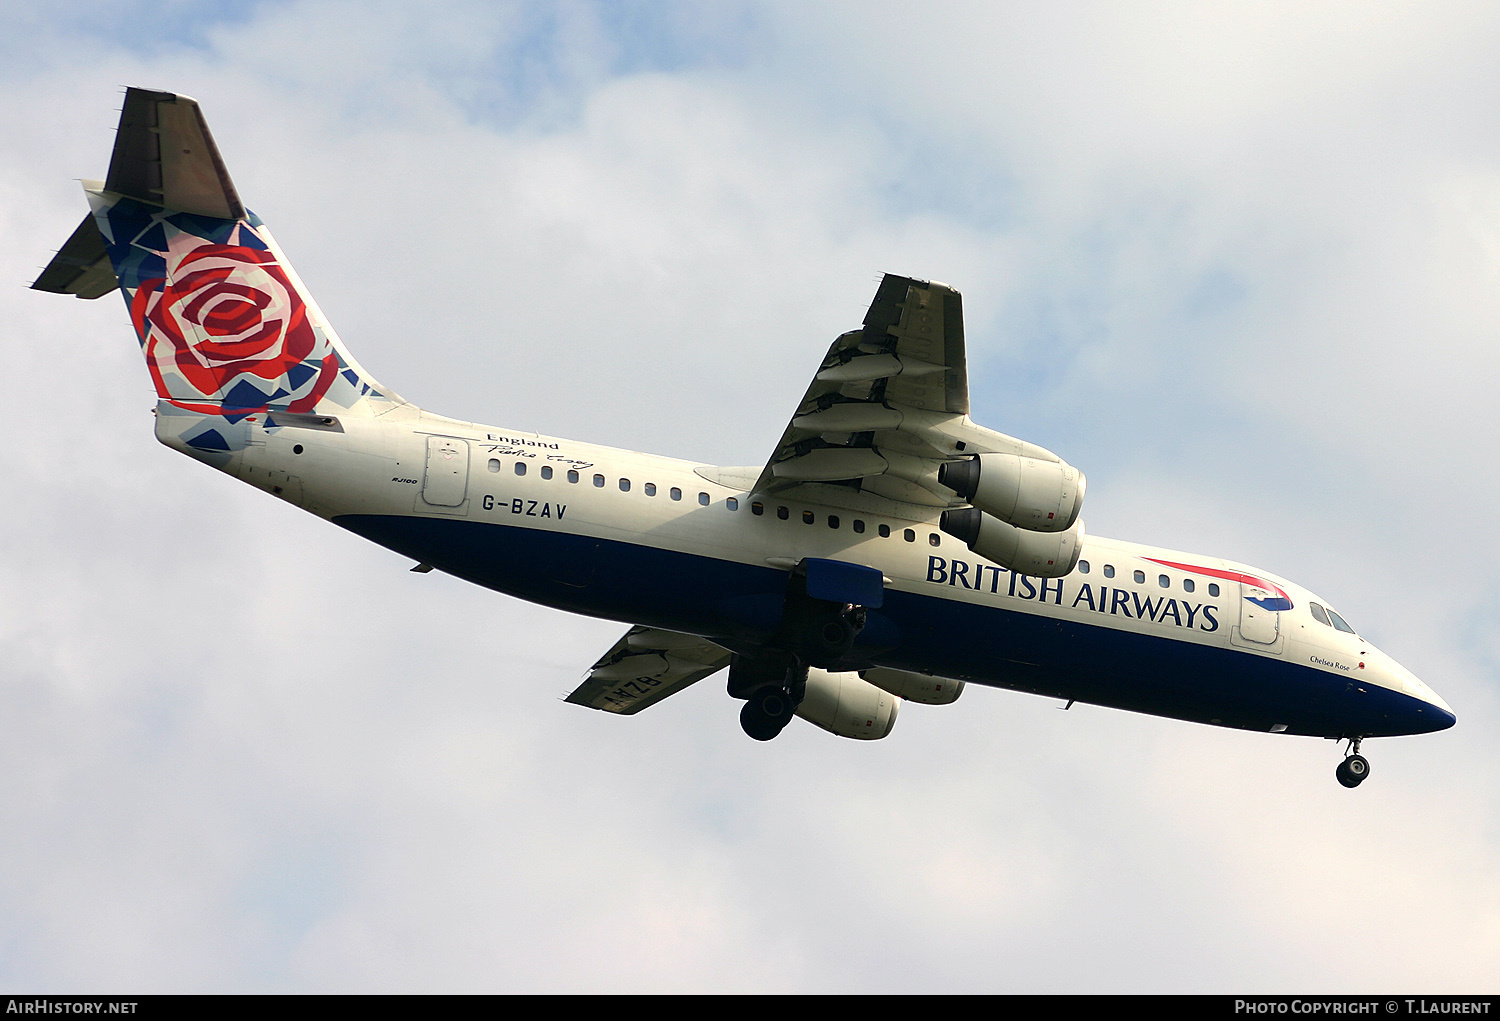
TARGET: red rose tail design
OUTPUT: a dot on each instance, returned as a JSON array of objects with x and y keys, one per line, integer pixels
[{"x": 225, "y": 328}]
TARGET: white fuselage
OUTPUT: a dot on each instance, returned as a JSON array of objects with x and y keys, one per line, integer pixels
[{"x": 414, "y": 481}]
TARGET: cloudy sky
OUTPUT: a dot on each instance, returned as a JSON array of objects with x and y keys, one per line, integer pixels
[{"x": 1240, "y": 264}]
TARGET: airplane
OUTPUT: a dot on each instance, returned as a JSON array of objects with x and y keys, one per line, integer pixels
[{"x": 890, "y": 550}]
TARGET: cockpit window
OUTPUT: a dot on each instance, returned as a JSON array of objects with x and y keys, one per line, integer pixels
[
  {"x": 1338, "y": 622},
  {"x": 1323, "y": 615}
]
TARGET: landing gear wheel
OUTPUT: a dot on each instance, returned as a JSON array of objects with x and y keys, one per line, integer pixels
[
  {"x": 1353, "y": 770},
  {"x": 832, "y": 640},
  {"x": 766, "y": 713},
  {"x": 775, "y": 703},
  {"x": 827, "y": 640},
  {"x": 757, "y": 724}
]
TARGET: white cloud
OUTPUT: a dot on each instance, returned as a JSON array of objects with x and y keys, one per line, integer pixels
[{"x": 1238, "y": 266}]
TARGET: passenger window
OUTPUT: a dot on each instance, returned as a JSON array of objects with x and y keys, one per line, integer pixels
[
  {"x": 833, "y": 521},
  {"x": 520, "y": 467},
  {"x": 910, "y": 535},
  {"x": 675, "y": 493},
  {"x": 807, "y": 517},
  {"x": 933, "y": 539},
  {"x": 783, "y": 513},
  {"x": 546, "y": 471},
  {"x": 1109, "y": 570},
  {"x": 859, "y": 526},
  {"x": 1319, "y": 615},
  {"x": 702, "y": 499},
  {"x": 757, "y": 508},
  {"x": 885, "y": 531},
  {"x": 1213, "y": 589},
  {"x": 1140, "y": 577},
  {"x": 1083, "y": 567},
  {"x": 624, "y": 485},
  {"x": 1164, "y": 581},
  {"x": 598, "y": 481},
  {"x": 732, "y": 503},
  {"x": 494, "y": 464},
  {"x": 1188, "y": 585},
  {"x": 651, "y": 489},
  {"x": 572, "y": 475}
]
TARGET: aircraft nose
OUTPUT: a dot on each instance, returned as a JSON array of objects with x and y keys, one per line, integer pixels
[
  {"x": 1436, "y": 701},
  {"x": 1435, "y": 713},
  {"x": 1441, "y": 711}
]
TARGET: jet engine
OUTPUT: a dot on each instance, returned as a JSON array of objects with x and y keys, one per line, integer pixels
[
  {"x": 914, "y": 687},
  {"x": 1039, "y": 554},
  {"x": 1027, "y": 492},
  {"x": 847, "y": 705}
]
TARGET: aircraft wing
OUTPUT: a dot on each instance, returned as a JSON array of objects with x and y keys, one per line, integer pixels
[
  {"x": 888, "y": 405},
  {"x": 645, "y": 667}
]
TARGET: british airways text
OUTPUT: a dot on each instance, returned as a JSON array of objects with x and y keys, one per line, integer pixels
[{"x": 982, "y": 577}]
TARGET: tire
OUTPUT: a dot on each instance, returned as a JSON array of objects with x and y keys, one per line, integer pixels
[
  {"x": 829, "y": 641},
  {"x": 756, "y": 724},
  {"x": 767, "y": 712},
  {"x": 1353, "y": 770},
  {"x": 774, "y": 704}
]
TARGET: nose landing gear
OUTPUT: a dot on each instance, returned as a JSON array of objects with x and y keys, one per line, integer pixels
[{"x": 1355, "y": 767}]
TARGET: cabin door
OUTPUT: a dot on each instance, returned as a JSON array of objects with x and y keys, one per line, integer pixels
[
  {"x": 446, "y": 480},
  {"x": 1258, "y": 625}
]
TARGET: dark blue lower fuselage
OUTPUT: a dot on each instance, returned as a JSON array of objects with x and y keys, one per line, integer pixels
[{"x": 739, "y": 605}]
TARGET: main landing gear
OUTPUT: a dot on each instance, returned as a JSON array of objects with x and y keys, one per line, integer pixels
[
  {"x": 813, "y": 632},
  {"x": 1355, "y": 767},
  {"x": 772, "y": 685}
]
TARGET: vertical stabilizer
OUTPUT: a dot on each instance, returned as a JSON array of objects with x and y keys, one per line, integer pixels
[{"x": 226, "y": 326}]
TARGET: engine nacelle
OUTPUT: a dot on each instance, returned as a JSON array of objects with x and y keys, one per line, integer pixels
[
  {"x": 847, "y": 705},
  {"x": 913, "y": 687},
  {"x": 1028, "y": 492},
  {"x": 1039, "y": 554}
]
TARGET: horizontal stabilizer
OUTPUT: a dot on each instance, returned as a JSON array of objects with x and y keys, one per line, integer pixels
[
  {"x": 81, "y": 266},
  {"x": 165, "y": 155}
]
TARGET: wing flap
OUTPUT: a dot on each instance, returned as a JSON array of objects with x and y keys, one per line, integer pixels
[
  {"x": 887, "y": 406},
  {"x": 902, "y": 373},
  {"x": 922, "y": 324},
  {"x": 645, "y": 666}
]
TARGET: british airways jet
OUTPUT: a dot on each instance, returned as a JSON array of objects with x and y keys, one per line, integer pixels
[{"x": 890, "y": 549}]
